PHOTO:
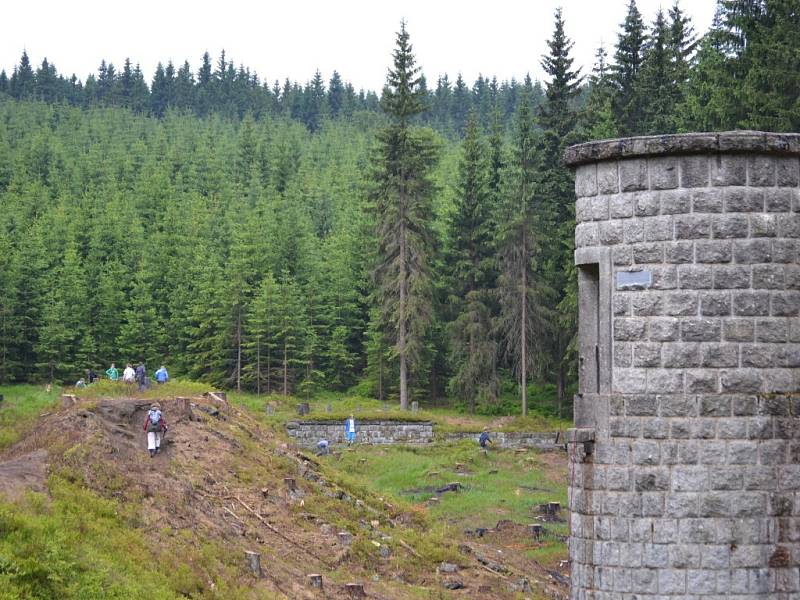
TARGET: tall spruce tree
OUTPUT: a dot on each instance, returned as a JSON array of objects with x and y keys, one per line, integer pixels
[
  {"x": 769, "y": 90},
  {"x": 22, "y": 82},
  {"x": 682, "y": 46},
  {"x": 597, "y": 119},
  {"x": 261, "y": 337},
  {"x": 401, "y": 195},
  {"x": 9, "y": 322},
  {"x": 656, "y": 81},
  {"x": 555, "y": 194},
  {"x": 470, "y": 260},
  {"x": 628, "y": 101},
  {"x": 708, "y": 102},
  {"x": 520, "y": 325}
]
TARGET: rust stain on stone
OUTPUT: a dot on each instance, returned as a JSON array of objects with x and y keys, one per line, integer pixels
[{"x": 779, "y": 558}]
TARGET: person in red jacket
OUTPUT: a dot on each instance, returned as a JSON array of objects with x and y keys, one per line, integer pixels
[{"x": 154, "y": 425}]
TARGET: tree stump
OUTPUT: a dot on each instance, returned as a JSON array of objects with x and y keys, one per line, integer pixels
[
  {"x": 553, "y": 508},
  {"x": 355, "y": 590},
  {"x": 315, "y": 580},
  {"x": 254, "y": 562},
  {"x": 291, "y": 484},
  {"x": 68, "y": 400},
  {"x": 326, "y": 529},
  {"x": 536, "y": 530},
  {"x": 345, "y": 538},
  {"x": 303, "y": 408}
]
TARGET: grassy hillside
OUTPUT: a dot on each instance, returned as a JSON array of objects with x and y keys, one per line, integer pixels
[{"x": 107, "y": 521}]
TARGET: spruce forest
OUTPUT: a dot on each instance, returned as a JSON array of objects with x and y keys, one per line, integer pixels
[{"x": 411, "y": 244}]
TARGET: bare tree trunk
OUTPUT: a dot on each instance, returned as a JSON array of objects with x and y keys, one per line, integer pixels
[
  {"x": 258, "y": 366},
  {"x": 269, "y": 371},
  {"x": 285, "y": 370},
  {"x": 524, "y": 327},
  {"x": 561, "y": 378},
  {"x": 472, "y": 392},
  {"x": 380, "y": 374},
  {"x": 401, "y": 336},
  {"x": 239, "y": 350}
]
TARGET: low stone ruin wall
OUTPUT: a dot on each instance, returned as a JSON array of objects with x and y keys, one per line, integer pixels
[
  {"x": 308, "y": 433},
  {"x": 513, "y": 439}
]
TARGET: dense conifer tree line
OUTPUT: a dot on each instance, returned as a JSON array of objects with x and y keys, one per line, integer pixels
[{"x": 290, "y": 238}]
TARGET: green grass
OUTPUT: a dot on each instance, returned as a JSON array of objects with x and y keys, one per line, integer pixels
[
  {"x": 500, "y": 485},
  {"x": 20, "y": 409},
  {"x": 342, "y": 406},
  {"x": 518, "y": 486},
  {"x": 77, "y": 545},
  {"x": 105, "y": 388}
]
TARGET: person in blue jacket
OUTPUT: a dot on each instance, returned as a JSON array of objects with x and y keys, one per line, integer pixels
[
  {"x": 161, "y": 375},
  {"x": 485, "y": 440},
  {"x": 350, "y": 429}
]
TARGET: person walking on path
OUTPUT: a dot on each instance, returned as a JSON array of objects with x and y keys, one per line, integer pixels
[
  {"x": 141, "y": 376},
  {"x": 112, "y": 373},
  {"x": 155, "y": 426},
  {"x": 350, "y": 429},
  {"x": 161, "y": 375}
]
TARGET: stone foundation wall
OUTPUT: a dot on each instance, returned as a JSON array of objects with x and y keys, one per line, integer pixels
[
  {"x": 308, "y": 433},
  {"x": 544, "y": 442}
]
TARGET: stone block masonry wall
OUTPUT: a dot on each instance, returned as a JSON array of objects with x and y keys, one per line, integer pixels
[
  {"x": 543, "y": 441},
  {"x": 691, "y": 488},
  {"x": 308, "y": 433}
]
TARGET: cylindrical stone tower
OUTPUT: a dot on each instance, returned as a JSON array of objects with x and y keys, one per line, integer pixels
[{"x": 685, "y": 461}]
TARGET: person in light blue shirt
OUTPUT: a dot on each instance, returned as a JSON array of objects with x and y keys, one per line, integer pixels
[
  {"x": 350, "y": 429},
  {"x": 161, "y": 375}
]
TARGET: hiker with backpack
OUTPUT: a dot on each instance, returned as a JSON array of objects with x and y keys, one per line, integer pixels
[{"x": 155, "y": 426}]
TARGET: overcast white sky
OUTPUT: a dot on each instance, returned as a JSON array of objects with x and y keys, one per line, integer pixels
[{"x": 293, "y": 38}]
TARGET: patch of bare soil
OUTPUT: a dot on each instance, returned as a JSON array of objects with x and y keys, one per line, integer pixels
[{"x": 23, "y": 473}]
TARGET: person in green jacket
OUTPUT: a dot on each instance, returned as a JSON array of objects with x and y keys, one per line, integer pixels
[{"x": 112, "y": 373}]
